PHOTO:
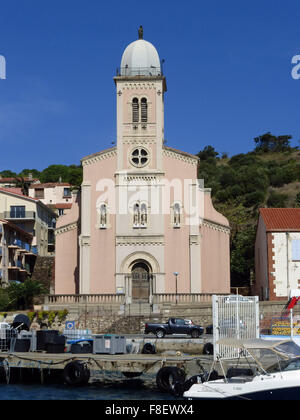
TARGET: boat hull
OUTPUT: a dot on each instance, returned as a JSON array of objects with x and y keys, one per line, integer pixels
[
  {"x": 279, "y": 386},
  {"x": 287, "y": 394}
]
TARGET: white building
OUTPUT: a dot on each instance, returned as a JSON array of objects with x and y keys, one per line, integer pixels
[
  {"x": 277, "y": 253},
  {"x": 57, "y": 195},
  {"x": 31, "y": 215}
]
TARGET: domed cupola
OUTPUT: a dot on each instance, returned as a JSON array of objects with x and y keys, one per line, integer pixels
[{"x": 140, "y": 58}]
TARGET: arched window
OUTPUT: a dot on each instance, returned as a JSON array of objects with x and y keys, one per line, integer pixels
[
  {"x": 140, "y": 215},
  {"x": 176, "y": 215},
  {"x": 135, "y": 110},
  {"x": 136, "y": 215},
  {"x": 144, "y": 110},
  {"x": 103, "y": 216}
]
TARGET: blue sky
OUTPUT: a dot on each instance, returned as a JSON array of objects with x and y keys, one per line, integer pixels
[{"x": 228, "y": 68}]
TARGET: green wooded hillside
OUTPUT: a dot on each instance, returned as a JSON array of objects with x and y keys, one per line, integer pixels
[{"x": 268, "y": 176}]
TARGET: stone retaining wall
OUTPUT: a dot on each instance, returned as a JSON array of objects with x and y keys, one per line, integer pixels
[{"x": 111, "y": 320}]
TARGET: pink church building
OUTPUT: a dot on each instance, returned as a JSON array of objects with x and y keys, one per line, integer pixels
[{"x": 142, "y": 223}]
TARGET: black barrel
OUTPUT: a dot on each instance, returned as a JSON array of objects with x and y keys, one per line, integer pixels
[
  {"x": 54, "y": 348},
  {"x": 56, "y": 344},
  {"x": 83, "y": 348},
  {"x": 22, "y": 345},
  {"x": 44, "y": 337}
]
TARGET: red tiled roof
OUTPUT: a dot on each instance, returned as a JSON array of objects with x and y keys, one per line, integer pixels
[
  {"x": 281, "y": 218},
  {"x": 63, "y": 205},
  {"x": 9, "y": 190},
  {"x": 50, "y": 185},
  {"x": 14, "y": 190}
]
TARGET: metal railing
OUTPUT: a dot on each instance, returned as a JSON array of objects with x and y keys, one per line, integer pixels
[
  {"x": 15, "y": 214},
  {"x": 34, "y": 250},
  {"x": 21, "y": 244},
  {"x": 139, "y": 71},
  {"x": 7, "y": 338}
]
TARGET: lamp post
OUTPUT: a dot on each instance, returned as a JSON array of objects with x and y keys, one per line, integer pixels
[{"x": 176, "y": 275}]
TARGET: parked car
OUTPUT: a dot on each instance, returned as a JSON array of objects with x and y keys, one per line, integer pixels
[{"x": 175, "y": 326}]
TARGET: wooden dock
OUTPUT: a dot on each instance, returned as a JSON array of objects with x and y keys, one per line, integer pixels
[{"x": 117, "y": 363}]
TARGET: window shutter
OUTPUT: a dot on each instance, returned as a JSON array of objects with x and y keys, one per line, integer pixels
[
  {"x": 144, "y": 110},
  {"x": 135, "y": 110}
]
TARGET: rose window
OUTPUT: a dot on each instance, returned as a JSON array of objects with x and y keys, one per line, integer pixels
[{"x": 139, "y": 157}]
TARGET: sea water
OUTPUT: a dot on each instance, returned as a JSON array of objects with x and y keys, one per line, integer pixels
[{"x": 112, "y": 386}]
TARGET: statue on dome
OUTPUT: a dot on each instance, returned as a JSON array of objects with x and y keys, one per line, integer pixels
[{"x": 141, "y": 32}]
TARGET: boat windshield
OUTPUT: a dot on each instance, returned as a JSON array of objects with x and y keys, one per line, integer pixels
[
  {"x": 284, "y": 366},
  {"x": 288, "y": 349}
]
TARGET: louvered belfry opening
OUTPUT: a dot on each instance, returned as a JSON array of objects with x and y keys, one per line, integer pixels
[
  {"x": 135, "y": 110},
  {"x": 144, "y": 110}
]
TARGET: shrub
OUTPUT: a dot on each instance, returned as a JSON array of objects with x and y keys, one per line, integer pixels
[
  {"x": 62, "y": 315},
  {"x": 277, "y": 200},
  {"x": 31, "y": 316}
]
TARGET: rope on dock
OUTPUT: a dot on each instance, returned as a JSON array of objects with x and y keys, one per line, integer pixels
[{"x": 7, "y": 370}]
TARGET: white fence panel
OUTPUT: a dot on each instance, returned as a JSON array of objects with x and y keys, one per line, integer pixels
[{"x": 234, "y": 316}]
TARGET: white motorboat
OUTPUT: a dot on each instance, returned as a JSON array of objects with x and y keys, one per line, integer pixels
[{"x": 278, "y": 381}]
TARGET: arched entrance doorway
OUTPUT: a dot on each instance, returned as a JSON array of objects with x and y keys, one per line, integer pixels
[{"x": 141, "y": 277}]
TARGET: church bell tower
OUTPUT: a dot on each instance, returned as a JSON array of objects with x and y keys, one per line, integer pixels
[{"x": 140, "y": 89}]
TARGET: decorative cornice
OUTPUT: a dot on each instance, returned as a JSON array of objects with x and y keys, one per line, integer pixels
[
  {"x": 215, "y": 226},
  {"x": 140, "y": 240},
  {"x": 139, "y": 140},
  {"x": 177, "y": 154},
  {"x": 66, "y": 228},
  {"x": 105, "y": 154}
]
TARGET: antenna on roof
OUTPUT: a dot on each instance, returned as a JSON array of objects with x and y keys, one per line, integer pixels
[{"x": 141, "y": 32}]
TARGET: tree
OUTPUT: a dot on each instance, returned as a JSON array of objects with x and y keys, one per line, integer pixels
[
  {"x": 7, "y": 174},
  {"x": 4, "y": 300},
  {"x": 208, "y": 152},
  {"x": 21, "y": 183},
  {"x": 27, "y": 172},
  {"x": 277, "y": 200},
  {"x": 270, "y": 143},
  {"x": 54, "y": 173},
  {"x": 21, "y": 295}
]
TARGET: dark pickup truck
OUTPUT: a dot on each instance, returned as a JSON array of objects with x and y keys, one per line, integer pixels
[{"x": 175, "y": 326}]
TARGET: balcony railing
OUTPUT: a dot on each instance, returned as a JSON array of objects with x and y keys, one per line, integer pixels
[
  {"x": 29, "y": 215},
  {"x": 139, "y": 71},
  {"x": 34, "y": 250}
]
